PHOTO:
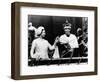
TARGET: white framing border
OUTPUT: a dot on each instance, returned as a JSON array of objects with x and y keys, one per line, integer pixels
[{"x": 54, "y": 69}]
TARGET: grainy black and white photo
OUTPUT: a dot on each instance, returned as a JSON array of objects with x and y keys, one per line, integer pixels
[{"x": 57, "y": 40}]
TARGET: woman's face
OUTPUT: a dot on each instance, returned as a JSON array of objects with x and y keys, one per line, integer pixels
[{"x": 43, "y": 33}]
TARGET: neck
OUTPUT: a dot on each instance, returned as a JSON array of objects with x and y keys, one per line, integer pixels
[
  {"x": 41, "y": 37},
  {"x": 67, "y": 35}
]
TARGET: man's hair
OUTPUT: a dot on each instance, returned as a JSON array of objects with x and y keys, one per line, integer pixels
[{"x": 66, "y": 24}]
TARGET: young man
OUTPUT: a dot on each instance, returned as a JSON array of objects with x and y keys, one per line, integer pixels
[{"x": 68, "y": 41}]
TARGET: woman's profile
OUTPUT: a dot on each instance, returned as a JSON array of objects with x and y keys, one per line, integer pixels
[{"x": 40, "y": 46}]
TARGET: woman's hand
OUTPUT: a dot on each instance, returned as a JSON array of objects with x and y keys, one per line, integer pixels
[{"x": 56, "y": 40}]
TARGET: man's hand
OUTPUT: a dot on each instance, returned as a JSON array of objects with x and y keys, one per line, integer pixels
[
  {"x": 71, "y": 50},
  {"x": 67, "y": 45}
]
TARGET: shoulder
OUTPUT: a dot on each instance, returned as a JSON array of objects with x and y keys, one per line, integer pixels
[
  {"x": 72, "y": 35},
  {"x": 46, "y": 41},
  {"x": 35, "y": 41},
  {"x": 63, "y": 36}
]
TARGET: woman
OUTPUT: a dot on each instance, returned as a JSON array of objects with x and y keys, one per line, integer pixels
[{"x": 40, "y": 46}]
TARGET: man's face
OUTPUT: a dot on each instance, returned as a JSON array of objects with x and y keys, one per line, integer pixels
[{"x": 67, "y": 30}]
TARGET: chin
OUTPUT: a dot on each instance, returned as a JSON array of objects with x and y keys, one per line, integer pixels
[{"x": 67, "y": 33}]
